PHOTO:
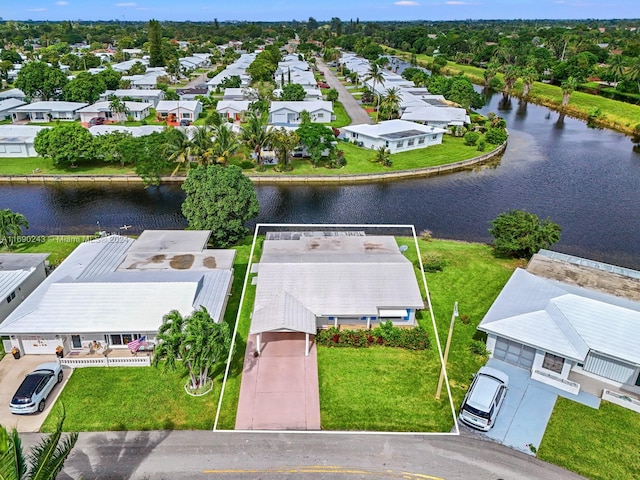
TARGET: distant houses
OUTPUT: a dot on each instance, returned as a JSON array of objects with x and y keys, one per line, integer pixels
[{"x": 395, "y": 135}]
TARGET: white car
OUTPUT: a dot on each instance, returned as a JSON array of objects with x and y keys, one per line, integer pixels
[
  {"x": 484, "y": 398},
  {"x": 35, "y": 388}
]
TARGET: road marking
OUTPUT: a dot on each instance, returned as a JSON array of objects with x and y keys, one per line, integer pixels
[{"x": 323, "y": 469}]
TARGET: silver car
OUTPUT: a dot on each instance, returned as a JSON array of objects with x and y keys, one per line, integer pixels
[
  {"x": 35, "y": 388},
  {"x": 484, "y": 398}
]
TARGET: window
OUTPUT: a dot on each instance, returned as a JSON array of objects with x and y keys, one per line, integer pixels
[
  {"x": 320, "y": 115},
  {"x": 553, "y": 362},
  {"x": 421, "y": 141},
  {"x": 410, "y": 142},
  {"x": 122, "y": 339},
  {"x": 400, "y": 144},
  {"x": 75, "y": 341},
  {"x": 434, "y": 136},
  {"x": 186, "y": 115},
  {"x": 11, "y": 297}
]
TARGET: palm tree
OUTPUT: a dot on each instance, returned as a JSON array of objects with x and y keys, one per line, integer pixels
[
  {"x": 119, "y": 106},
  {"x": 390, "y": 103},
  {"x": 376, "y": 76},
  {"x": 616, "y": 67},
  {"x": 568, "y": 87},
  {"x": 283, "y": 143},
  {"x": 383, "y": 156},
  {"x": 633, "y": 73},
  {"x": 11, "y": 225},
  {"x": 490, "y": 72},
  {"x": 224, "y": 145},
  {"x": 201, "y": 141},
  {"x": 255, "y": 134},
  {"x": 511, "y": 74},
  {"x": 45, "y": 459},
  {"x": 170, "y": 339},
  {"x": 178, "y": 148},
  {"x": 529, "y": 75}
]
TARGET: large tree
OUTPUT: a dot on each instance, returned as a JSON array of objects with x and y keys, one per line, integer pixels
[
  {"x": 11, "y": 225},
  {"x": 45, "y": 459},
  {"x": 156, "y": 57},
  {"x": 220, "y": 199},
  {"x": 293, "y": 92},
  {"x": 67, "y": 144},
  {"x": 521, "y": 234},
  {"x": 37, "y": 79},
  {"x": 317, "y": 139},
  {"x": 84, "y": 88}
]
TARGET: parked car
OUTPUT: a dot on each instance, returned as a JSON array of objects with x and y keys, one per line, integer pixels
[
  {"x": 96, "y": 121},
  {"x": 484, "y": 398},
  {"x": 35, "y": 388},
  {"x": 323, "y": 85},
  {"x": 185, "y": 122}
]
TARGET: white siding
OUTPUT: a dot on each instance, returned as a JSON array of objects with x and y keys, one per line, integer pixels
[{"x": 609, "y": 368}]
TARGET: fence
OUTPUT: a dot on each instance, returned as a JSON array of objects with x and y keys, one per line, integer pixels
[{"x": 141, "y": 361}]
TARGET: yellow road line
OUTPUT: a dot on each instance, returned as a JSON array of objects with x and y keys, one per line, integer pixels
[{"x": 327, "y": 469}]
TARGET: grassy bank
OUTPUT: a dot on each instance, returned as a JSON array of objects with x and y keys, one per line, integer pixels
[
  {"x": 613, "y": 114},
  {"x": 45, "y": 166},
  {"x": 57, "y": 246},
  {"x": 599, "y": 444}
]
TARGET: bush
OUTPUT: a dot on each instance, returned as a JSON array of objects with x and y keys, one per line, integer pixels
[
  {"x": 383, "y": 335},
  {"x": 482, "y": 146},
  {"x": 496, "y": 136},
  {"x": 470, "y": 138},
  {"x": 433, "y": 262},
  {"x": 426, "y": 235},
  {"x": 479, "y": 348},
  {"x": 518, "y": 233}
]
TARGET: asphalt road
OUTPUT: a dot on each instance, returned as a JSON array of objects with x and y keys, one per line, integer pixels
[
  {"x": 355, "y": 111},
  {"x": 229, "y": 455}
]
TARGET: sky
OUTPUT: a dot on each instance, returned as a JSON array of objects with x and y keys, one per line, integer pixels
[{"x": 271, "y": 10}]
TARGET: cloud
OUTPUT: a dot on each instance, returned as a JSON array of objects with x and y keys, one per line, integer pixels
[
  {"x": 127, "y": 4},
  {"x": 407, "y": 3},
  {"x": 36, "y": 10},
  {"x": 62, "y": 4}
]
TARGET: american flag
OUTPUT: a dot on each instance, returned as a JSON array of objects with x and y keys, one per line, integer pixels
[{"x": 134, "y": 346}]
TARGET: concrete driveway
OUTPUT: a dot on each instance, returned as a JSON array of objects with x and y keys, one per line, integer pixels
[
  {"x": 12, "y": 372},
  {"x": 527, "y": 409}
]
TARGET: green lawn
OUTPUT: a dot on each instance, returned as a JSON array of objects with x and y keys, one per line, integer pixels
[
  {"x": 342, "y": 118},
  {"x": 30, "y": 165},
  {"x": 58, "y": 246},
  {"x": 598, "y": 444},
  {"x": 360, "y": 160}
]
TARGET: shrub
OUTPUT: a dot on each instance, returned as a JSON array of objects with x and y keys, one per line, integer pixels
[
  {"x": 433, "y": 262},
  {"x": 495, "y": 136},
  {"x": 385, "y": 334},
  {"x": 426, "y": 235},
  {"x": 479, "y": 348},
  {"x": 471, "y": 138},
  {"x": 482, "y": 146}
]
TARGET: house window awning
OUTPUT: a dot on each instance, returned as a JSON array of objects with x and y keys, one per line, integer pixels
[{"x": 393, "y": 313}]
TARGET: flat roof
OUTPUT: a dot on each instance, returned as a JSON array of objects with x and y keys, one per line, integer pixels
[
  {"x": 166, "y": 241},
  {"x": 21, "y": 261}
]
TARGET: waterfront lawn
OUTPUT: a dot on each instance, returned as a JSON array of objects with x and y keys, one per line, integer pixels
[
  {"x": 111, "y": 398},
  {"x": 57, "y": 246},
  {"x": 360, "y": 160},
  {"x": 598, "y": 444},
  {"x": 45, "y": 166}
]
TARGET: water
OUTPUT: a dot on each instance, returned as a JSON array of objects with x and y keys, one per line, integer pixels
[{"x": 585, "y": 180}]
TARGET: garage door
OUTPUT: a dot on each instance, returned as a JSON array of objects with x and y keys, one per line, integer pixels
[
  {"x": 514, "y": 353},
  {"x": 39, "y": 345}
]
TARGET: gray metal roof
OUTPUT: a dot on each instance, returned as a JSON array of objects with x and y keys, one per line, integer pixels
[
  {"x": 283, "y": 313},
  {"x": 21, "y": 261},
  {"x": 171, "y": 241},
  {"x": 565, "y": 319}
]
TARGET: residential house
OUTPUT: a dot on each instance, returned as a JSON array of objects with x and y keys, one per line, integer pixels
[
  {"x": 136, "y": 110},
  {"x": 152, "y": 97},
  {"x": 569, "y": 321},
  {"x": 174, "y": 111},
  {"x": 47, "y": 111},
  {"x": 192, "y": 93},
  {"x": 233, "y": 109},
  {"x": 288, "y": 113},
  {"x": 311, "y": 93},
  {"x": 7, "y": 106},
  {"x": 113, "y": 290},
  {"x": 238, "y": 94},
  {"x": 442, "y": 117},
  {"x": 124, "y": 67},
  {"x": 13, "y": 93},
  {"x": 395, "y": 135},
  {"x": 17, "y": 140},
  {"x": 311, "y": 280},
  {"x": 20, "y": 274}
]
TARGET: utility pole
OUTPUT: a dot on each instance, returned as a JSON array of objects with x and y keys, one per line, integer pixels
[{"x": 446, "y": 350}]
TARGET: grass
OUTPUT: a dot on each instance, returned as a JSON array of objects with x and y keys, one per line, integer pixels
[
  {"x": 58, "y": 246},
  {"x": 29, "y": 165},
  {"x": 360, "y": 160},
  {"x": 342, "y": 118},
  {"x": 598, "y": 444},
  {"x": 111, "y": 398}
]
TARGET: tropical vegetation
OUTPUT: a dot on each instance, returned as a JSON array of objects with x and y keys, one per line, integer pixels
[{"x": 521, "y": 234}]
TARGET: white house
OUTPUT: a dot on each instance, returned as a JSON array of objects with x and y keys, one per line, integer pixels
[
  {"x": 175, "y": 111},
  {"x": 136, "y": 110},
  {"x": 125, "y": 66},
  {"x": 48, "y": 111},
  {"x": 7, "y": 106},
  {"x": 396, "y": 135},
  {"x": 13, "y": 93},
  {"x": 288, "y": 113},
  {"x": 153, "y": 96},
  {"x": 441, "y": 117},
  {"x": 234, "y": 109},
  {"x": 20, "y": 274},
  {"x": 17, "y": 140},
  {"x": 114, "y": 289},
  {"x": 306, "y": 280},
  {"x": 569, "y": 320}
]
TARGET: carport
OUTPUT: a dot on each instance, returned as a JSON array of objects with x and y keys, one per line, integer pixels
[{"x": 283, "y": 314}]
